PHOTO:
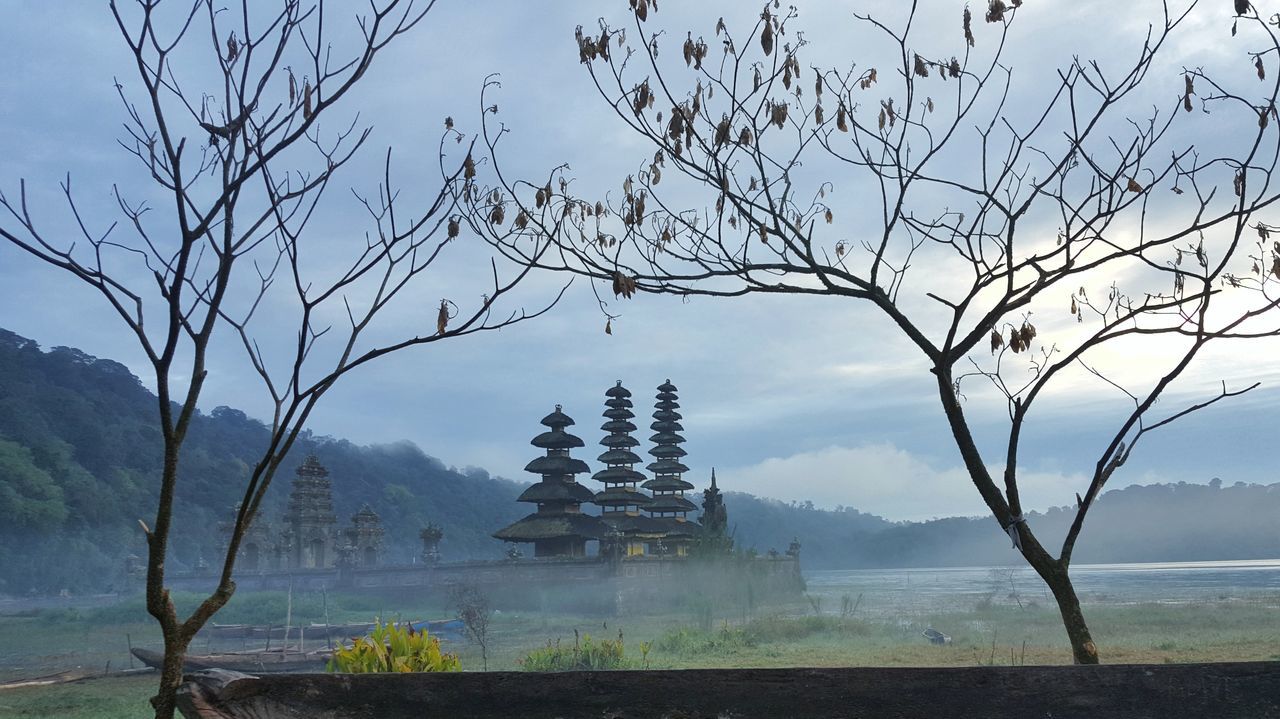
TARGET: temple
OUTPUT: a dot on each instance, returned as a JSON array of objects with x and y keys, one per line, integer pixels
[
  {"x": 632, "y": 522},
  {"x": 310, "y": 537},
  {"x": 669, "y": 505},
  {"x": 558, "y": 528}
]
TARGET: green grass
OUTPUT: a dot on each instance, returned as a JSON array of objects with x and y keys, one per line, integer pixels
[
  {"x": 783, "y": 636},
  {"x": 108, "y": 698}
]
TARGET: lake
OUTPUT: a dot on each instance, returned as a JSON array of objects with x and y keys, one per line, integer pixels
[{"x": 923, "y": 590}]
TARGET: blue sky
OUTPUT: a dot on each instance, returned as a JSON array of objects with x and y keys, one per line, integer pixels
[{"x": 789, "y": 397}]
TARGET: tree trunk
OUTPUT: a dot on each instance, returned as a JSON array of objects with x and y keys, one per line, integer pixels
[
  {"x": 1083, "y": 650},
  {"x": 165, "y": 700}
]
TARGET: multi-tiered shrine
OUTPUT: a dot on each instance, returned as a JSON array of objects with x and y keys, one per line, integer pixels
[
  {"x": 632, "y": 521},
  {"x": 558, "y": 528}
]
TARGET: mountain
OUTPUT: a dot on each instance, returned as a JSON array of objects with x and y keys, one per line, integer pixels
[{"x": 79, "y": 450}]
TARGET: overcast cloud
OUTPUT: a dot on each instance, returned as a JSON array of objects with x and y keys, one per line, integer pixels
[{"x": 788, "y": 397}]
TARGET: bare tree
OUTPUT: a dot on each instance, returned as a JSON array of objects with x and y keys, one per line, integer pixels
[
  {"x": 475, "y": 612},
  {"x": 965, "y": 207},
  {"x": 224, "y": 115}
]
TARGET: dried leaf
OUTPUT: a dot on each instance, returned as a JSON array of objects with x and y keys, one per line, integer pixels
[
  {"x": 921, "y": 68},
  {"x": 468, "y": 168},
  {"x": 953, "y": 69},
  {"x": 828, "y": 216},
  {"x": 448, "y": 123},
  {"x": 997, "y": 341},
  {"x": 642, "y": 9},
  {"x": 766, "y": 37},
  {"x": 1134, "y": 186},
  {"x": 623, "y": 286},
  {"x": 882, "y": 118},
  {"x": 1262, "y": 72},
  {"x": 688, "y": 50},
  {"x": 442, "y": 317},
  {"x": 968, "y": 29},
  {"x": 1242, "y": 7},
  {"x": 722, "y": 131},
  {"x": 817, "y": 113},
  {"x": 1074, "y": 308},
  {"x": 995, "y": 10},
  {"x": 840, "y": 249},
  {"x": 719, "y": 26},
  {"x": 817, "y": 83},
  {"x": 454, "y": 227},
  {"x": 497, "y": 214},
  {"x": 928, "y": 104}
]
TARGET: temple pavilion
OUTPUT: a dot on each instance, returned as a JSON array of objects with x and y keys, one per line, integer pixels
[
  {"x": 558, "y": 528},
  {"x": 632, "y": 521}
]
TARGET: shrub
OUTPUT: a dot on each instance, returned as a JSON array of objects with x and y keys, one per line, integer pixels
[
  {"x": 389, "y": 648},
  {"x": 585, "y": 655}
]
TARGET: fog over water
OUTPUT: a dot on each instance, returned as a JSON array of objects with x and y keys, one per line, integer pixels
[{"x": 899, "y": 591}]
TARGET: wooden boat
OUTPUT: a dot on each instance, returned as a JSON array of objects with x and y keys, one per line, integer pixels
[
  {"x": 273, "y": 662},
  {"x": 936, "y": 637}
]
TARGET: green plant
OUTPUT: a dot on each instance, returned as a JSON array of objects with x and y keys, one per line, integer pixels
[
  {"x": 586, "y": 654},
  {"x": 389, "y": 648}
]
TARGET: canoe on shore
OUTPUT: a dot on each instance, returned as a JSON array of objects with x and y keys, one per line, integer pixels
[{"x": 247, "y": 662}]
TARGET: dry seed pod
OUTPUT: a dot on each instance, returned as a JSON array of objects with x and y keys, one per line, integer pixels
[
  {"x": 817, "y": 113},
  {"x": 539, "y": 198},
  {"x": 968, "y": 30},
  {"x": 997, "y": 341},
  {"x": 764, "y": 235},
  {"x": 468, "y": 168},
  {"x": 1257, "y": 63},
  {"x": 522, "y": 220},
  {"x": 953, "y": 69},
  {"x": 755, "y": 79},
  {"x": 840, "y": 249},
  {"x": 599, "y": 209},
  {"x": 744, "y": 137},
  {"x": 817, "y": 83},
  {"x": 1134, "y": 186},
  {"x": 675, "y": 126},
  {"x": 306, "y": 99},
  {"x": 642, "y": 10},
  {"x": 293, "y": 89},
  {"x": 688, "y": 50},
  {"x": 828, "y": 216},
  {"x": 454, "y": 227},
  {"x": 841, "y": 118},
  {"x": 497, "y": 215},
  {"x": 608, "y": 326},
  {"x": 766, "y": 37}
]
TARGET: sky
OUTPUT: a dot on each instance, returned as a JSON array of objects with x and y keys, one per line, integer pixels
[{"x": 796, "y": 398}]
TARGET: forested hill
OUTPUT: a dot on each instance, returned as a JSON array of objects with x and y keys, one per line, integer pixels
[{"x": 79, "y": 452}]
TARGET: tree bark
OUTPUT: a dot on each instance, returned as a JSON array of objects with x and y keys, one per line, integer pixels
[
  {"x": 165, "y": 700},
  {"x": 1083, "y": 650}
]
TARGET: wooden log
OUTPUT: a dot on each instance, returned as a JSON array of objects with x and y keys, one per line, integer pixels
[{"x": 1134, "y": 691}]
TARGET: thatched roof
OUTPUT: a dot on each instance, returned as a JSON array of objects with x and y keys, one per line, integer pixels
[{"x": 553, "y": 526}]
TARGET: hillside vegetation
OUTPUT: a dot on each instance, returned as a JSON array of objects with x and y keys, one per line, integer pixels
[{"x": 79, "y": 448}]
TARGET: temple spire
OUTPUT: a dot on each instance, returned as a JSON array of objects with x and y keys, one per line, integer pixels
[
  {"x": 669, "y": 504},
  {"x": 558, "y": 528}
]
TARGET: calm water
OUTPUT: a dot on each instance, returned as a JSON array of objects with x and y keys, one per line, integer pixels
[{"x": 909, "y": 591}]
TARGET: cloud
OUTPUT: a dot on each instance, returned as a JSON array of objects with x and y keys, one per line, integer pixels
[{"x": 884, "y": 479}]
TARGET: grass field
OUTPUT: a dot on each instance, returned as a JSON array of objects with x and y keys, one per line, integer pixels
[{"x": 781, "y": 636}]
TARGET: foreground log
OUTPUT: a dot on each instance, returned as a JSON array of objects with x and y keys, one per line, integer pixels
[{"x": 1135, "y": 691}]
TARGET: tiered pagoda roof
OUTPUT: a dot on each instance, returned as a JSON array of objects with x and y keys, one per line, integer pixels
[
  {"x": 667, "y": 485},
  {"x": 558, "y": 527},
  {"x": 621, "y": 500}
]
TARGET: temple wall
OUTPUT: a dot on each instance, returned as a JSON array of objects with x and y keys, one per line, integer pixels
[{"x": 629, "y": 585}]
